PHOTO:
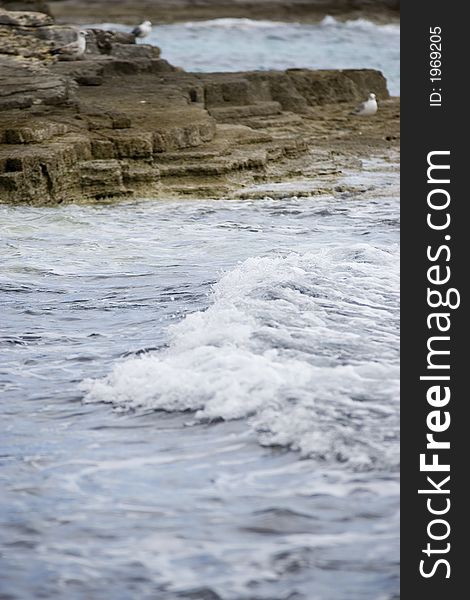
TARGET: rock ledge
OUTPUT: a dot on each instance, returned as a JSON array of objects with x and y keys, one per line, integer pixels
[{"x": 124, "y": 122}]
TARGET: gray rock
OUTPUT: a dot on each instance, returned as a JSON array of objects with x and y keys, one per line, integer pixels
[
  {"x": 84, "y": 72},
  {"x": 24, "y": 18},
  {"x": 100, "y": 41},
  {"x": 132, "y": 51},
  {"x": 23, "y": 84}
]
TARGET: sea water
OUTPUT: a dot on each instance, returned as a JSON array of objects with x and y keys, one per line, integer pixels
[
  {"x": 246, "y": 44},
  {"x": 200, "y": 398}
]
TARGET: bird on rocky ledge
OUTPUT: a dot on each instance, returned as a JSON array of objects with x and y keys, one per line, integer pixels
[
  {"x": 72, "y": 51},
  {"x": 367, "y": 108},
  {"x": 142, "y": 30}
]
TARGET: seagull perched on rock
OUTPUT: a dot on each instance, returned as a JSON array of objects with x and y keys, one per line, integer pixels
[
  {"x": 142, "y": 30},
  {"x": 73, "y": 51},
  {"x": 367, "y": 108}
]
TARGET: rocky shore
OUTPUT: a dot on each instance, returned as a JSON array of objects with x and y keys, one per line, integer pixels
[{"x": 122, "y": 121}]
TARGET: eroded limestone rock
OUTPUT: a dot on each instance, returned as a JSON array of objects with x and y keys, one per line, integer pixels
[
  {"x": 123, "y": 121},
  {"x": 24, "y": 84}
]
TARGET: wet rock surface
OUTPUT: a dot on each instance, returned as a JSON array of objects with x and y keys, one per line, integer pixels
[{"x": 122, "y": 121}]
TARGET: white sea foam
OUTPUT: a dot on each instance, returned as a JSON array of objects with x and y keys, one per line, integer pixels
[
  {"x": 302, "y": 345},
  {"x": 233, "y": 23},
  {"x": 361, "y": 24},
  {"x": 256, "y": 24}
]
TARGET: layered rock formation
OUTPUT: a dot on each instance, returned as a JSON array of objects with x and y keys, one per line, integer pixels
[{"x": 123, "y": 121}]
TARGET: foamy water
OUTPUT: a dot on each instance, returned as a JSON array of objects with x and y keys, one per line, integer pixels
[
  {"x": 245, "y": 44},
  {"x": 290, "y": 342},
  {"x": 201, "y": 397}
]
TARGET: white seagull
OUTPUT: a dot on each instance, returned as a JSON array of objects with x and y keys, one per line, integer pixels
[
  {"x": 367, "y": 108},
  {"x": 72, "y": 51},
  {"x": 142, "y": 30}
]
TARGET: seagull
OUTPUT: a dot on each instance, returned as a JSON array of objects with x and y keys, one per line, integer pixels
[
  {"x": 367, "y": 108},
  {"x": 72, "y": 51},
  {"x": 142, "y": 30}
]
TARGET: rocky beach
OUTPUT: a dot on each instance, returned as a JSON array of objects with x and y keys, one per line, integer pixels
[{"x": 122, "y": 121}]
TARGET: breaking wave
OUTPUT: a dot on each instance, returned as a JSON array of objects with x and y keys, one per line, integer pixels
[
  {"x": 328, "y": 21},
  {"x": 361, "y": 25},
  {"x": 303, "y": 346}
]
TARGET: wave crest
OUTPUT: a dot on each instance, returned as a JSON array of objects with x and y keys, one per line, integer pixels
[{"x": 302, "y": 345}]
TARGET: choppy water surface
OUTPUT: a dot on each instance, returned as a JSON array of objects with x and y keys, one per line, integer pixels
[
  {"x": 245, "y": 44},
  {"x": 201, "y": 398}
]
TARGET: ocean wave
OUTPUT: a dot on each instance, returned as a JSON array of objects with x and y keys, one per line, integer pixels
[
  {"x": 303, "y": 346},
  {"x": 327, "y": 21},
  {"x": 234, "y": 23},
  {"x": 360, "y": 24}
]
